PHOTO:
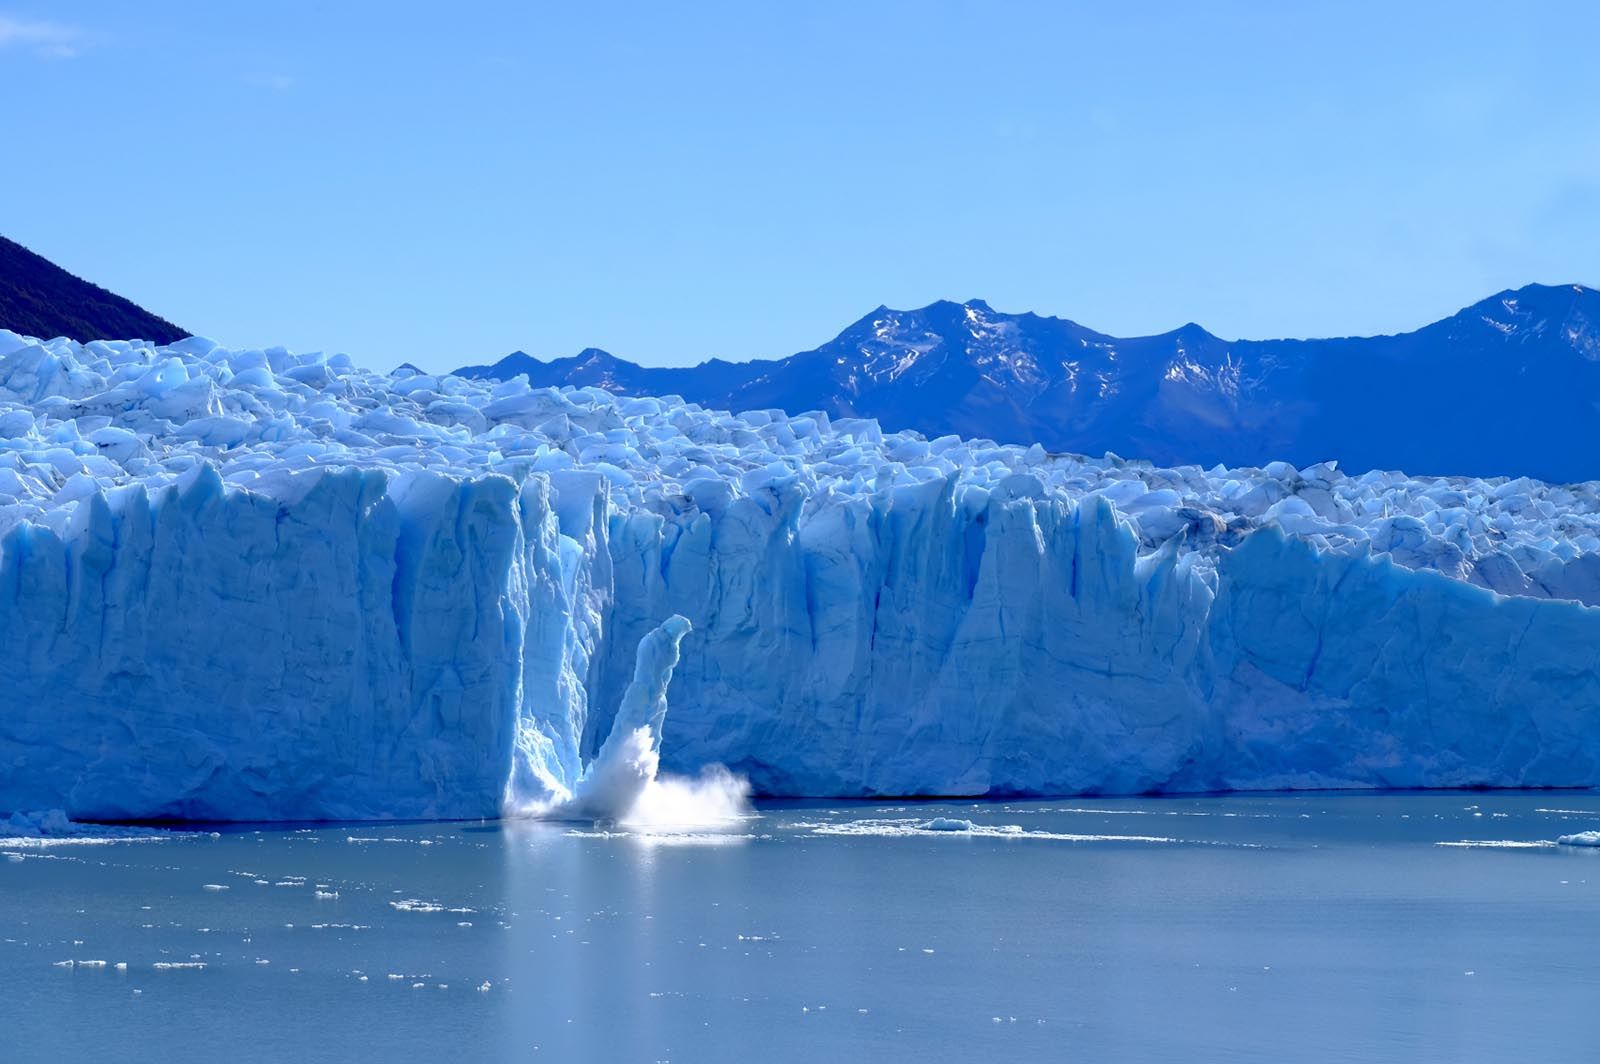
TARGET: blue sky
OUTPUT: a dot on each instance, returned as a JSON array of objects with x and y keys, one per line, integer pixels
[{"x": 445, "y": 183}]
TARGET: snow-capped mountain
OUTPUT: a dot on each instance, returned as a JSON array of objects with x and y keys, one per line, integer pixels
[{"x": 1508, "y": 386}]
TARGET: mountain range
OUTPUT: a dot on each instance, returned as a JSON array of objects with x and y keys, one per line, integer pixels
[
  {"x": 39, "y": 298},
  {"x": 1508, "y": 386}
]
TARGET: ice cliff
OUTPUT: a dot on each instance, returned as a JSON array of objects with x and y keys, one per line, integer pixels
[{"x": 257, "y": 585}]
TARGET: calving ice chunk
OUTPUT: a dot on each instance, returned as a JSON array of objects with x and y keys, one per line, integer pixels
[
  {"x": 259, "y": 585},
  {"x": 623, "y": 784},
  {"x": 629, "y": 759}
]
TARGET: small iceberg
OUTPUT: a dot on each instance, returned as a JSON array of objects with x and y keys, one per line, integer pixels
[
  {"x": 1582, "y": 838},
  {"x": 947, "y": 823}
]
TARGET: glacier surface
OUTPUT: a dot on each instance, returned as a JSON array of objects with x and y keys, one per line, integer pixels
[{"x": 255, "y": 585}]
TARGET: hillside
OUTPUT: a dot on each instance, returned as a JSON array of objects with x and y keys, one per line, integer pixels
[{"x": 39, "y": 298}]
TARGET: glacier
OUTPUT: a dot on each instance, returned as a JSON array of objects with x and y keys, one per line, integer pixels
[{"x": 259, "y": 585}]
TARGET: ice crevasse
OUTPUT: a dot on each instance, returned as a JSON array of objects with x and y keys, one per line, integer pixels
[{"x": 255, "y": 585}]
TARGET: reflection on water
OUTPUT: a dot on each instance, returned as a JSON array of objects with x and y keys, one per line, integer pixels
[{"x": 1272, "y": 928}]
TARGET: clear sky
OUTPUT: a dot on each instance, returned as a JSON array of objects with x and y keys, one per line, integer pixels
[{"x": 443, "y": 183}]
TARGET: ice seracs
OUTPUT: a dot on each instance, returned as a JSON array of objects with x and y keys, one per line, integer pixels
[{"x": 260, "y": 585}]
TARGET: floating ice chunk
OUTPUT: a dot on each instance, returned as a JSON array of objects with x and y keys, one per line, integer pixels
[
  {"x": 415, "y": 905},
  {"x": 894, "y": 828}
]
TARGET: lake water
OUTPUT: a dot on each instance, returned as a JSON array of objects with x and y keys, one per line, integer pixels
[{"x": 1277, "y": 928}]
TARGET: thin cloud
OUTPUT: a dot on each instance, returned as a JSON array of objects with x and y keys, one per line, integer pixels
[{"x": 47, "y": 40}]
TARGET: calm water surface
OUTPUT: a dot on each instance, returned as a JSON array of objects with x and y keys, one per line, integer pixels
[{"x": 1273, "y": 928}]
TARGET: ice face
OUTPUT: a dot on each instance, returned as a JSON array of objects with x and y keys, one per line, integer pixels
[{"x": 259, "y": 585}]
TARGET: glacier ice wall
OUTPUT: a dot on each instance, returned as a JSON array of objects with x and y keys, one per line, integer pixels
[
  {"x": 348, "y": 653},
  {"x": 257, "y": 585},
  {"x": 1030, "y": 647}
]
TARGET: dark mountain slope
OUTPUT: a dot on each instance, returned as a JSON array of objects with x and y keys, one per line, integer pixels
[{"x": 39, "y": 298}]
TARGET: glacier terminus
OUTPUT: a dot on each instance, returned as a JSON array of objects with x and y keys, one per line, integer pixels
[{"x": 255, "y": 585}]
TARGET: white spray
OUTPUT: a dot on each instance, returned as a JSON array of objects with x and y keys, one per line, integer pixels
[{"x": 623, "y": 784}]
